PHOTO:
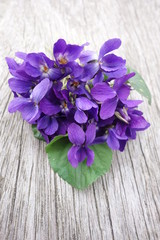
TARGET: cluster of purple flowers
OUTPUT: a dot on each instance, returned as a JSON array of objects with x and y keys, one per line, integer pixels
[{"x": 79, "y": 94}]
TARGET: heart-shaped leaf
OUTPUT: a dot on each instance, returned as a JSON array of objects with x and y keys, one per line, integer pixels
[
  {"x": 37, "y": 133},
  {"x": 138, "y": 83},
  {"x": 82, "y": 176}
]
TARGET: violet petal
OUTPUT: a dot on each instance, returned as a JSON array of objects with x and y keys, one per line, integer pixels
[
  {"x": 108, "y": 108},
  {"x": 81, "y": 154},
  {"x": 80, "y": 117},
  {"x": 20, "y": 86},
  {"x": 76, "y": 134},
  {"x": 112, "y": 62},
  {"x": 59, "y": 47},
  {"x": 90, "y": 156},
  {"x": 102, "y": 91},
  {"x": 109, "y": 46},
  {"x": 90, "y": 134},
  {"x": 112, "y": 141},
  {"x": 84, "y": 103},
  {"x": 52, "y": 127},
  {"x": 40, "y": 90},
  {"x": 17, "y": 103},
  {"x": 72, "y": 156}
]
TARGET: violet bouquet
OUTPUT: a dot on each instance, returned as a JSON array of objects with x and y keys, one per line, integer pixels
[{"x": 78, "y": 103}]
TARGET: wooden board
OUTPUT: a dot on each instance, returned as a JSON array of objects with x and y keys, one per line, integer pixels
[{"x": 34, "y": 202}]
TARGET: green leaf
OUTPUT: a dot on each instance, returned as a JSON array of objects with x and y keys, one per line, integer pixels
[
  {"x": 138, "y": 83},
  {"x": 105, "y": 77},
  {"x": 36, "y": 133},
  {"x": 56, "y": 138},
  {"x": 82, "y": 176}
]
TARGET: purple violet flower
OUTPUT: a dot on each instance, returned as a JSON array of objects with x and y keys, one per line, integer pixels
[
  {"x": 81, "y": 140},
  {"x": 34, "y": 65},
  {"x": 49, "y": 125},
  {"x": 109, "y": 97},
  {"x": 110, "y": 64},
  {"x": 129, "y": 121},
  {"x": 66, "y": 53},
  {"x": 29, "y": 107}
]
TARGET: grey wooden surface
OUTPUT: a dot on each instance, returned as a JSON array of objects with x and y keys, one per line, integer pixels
[{"x": 34, "y": 202}]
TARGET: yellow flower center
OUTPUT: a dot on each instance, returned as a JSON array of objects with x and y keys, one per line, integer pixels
[
  {"x": 45, "y": 69},
  {"x": 63, "y": 60}
]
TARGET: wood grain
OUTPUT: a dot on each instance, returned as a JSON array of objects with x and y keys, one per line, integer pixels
[{"x": 34, "y": 202}]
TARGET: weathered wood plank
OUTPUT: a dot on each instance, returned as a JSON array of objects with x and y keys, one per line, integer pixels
[{"x": 35, "y": 203}]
